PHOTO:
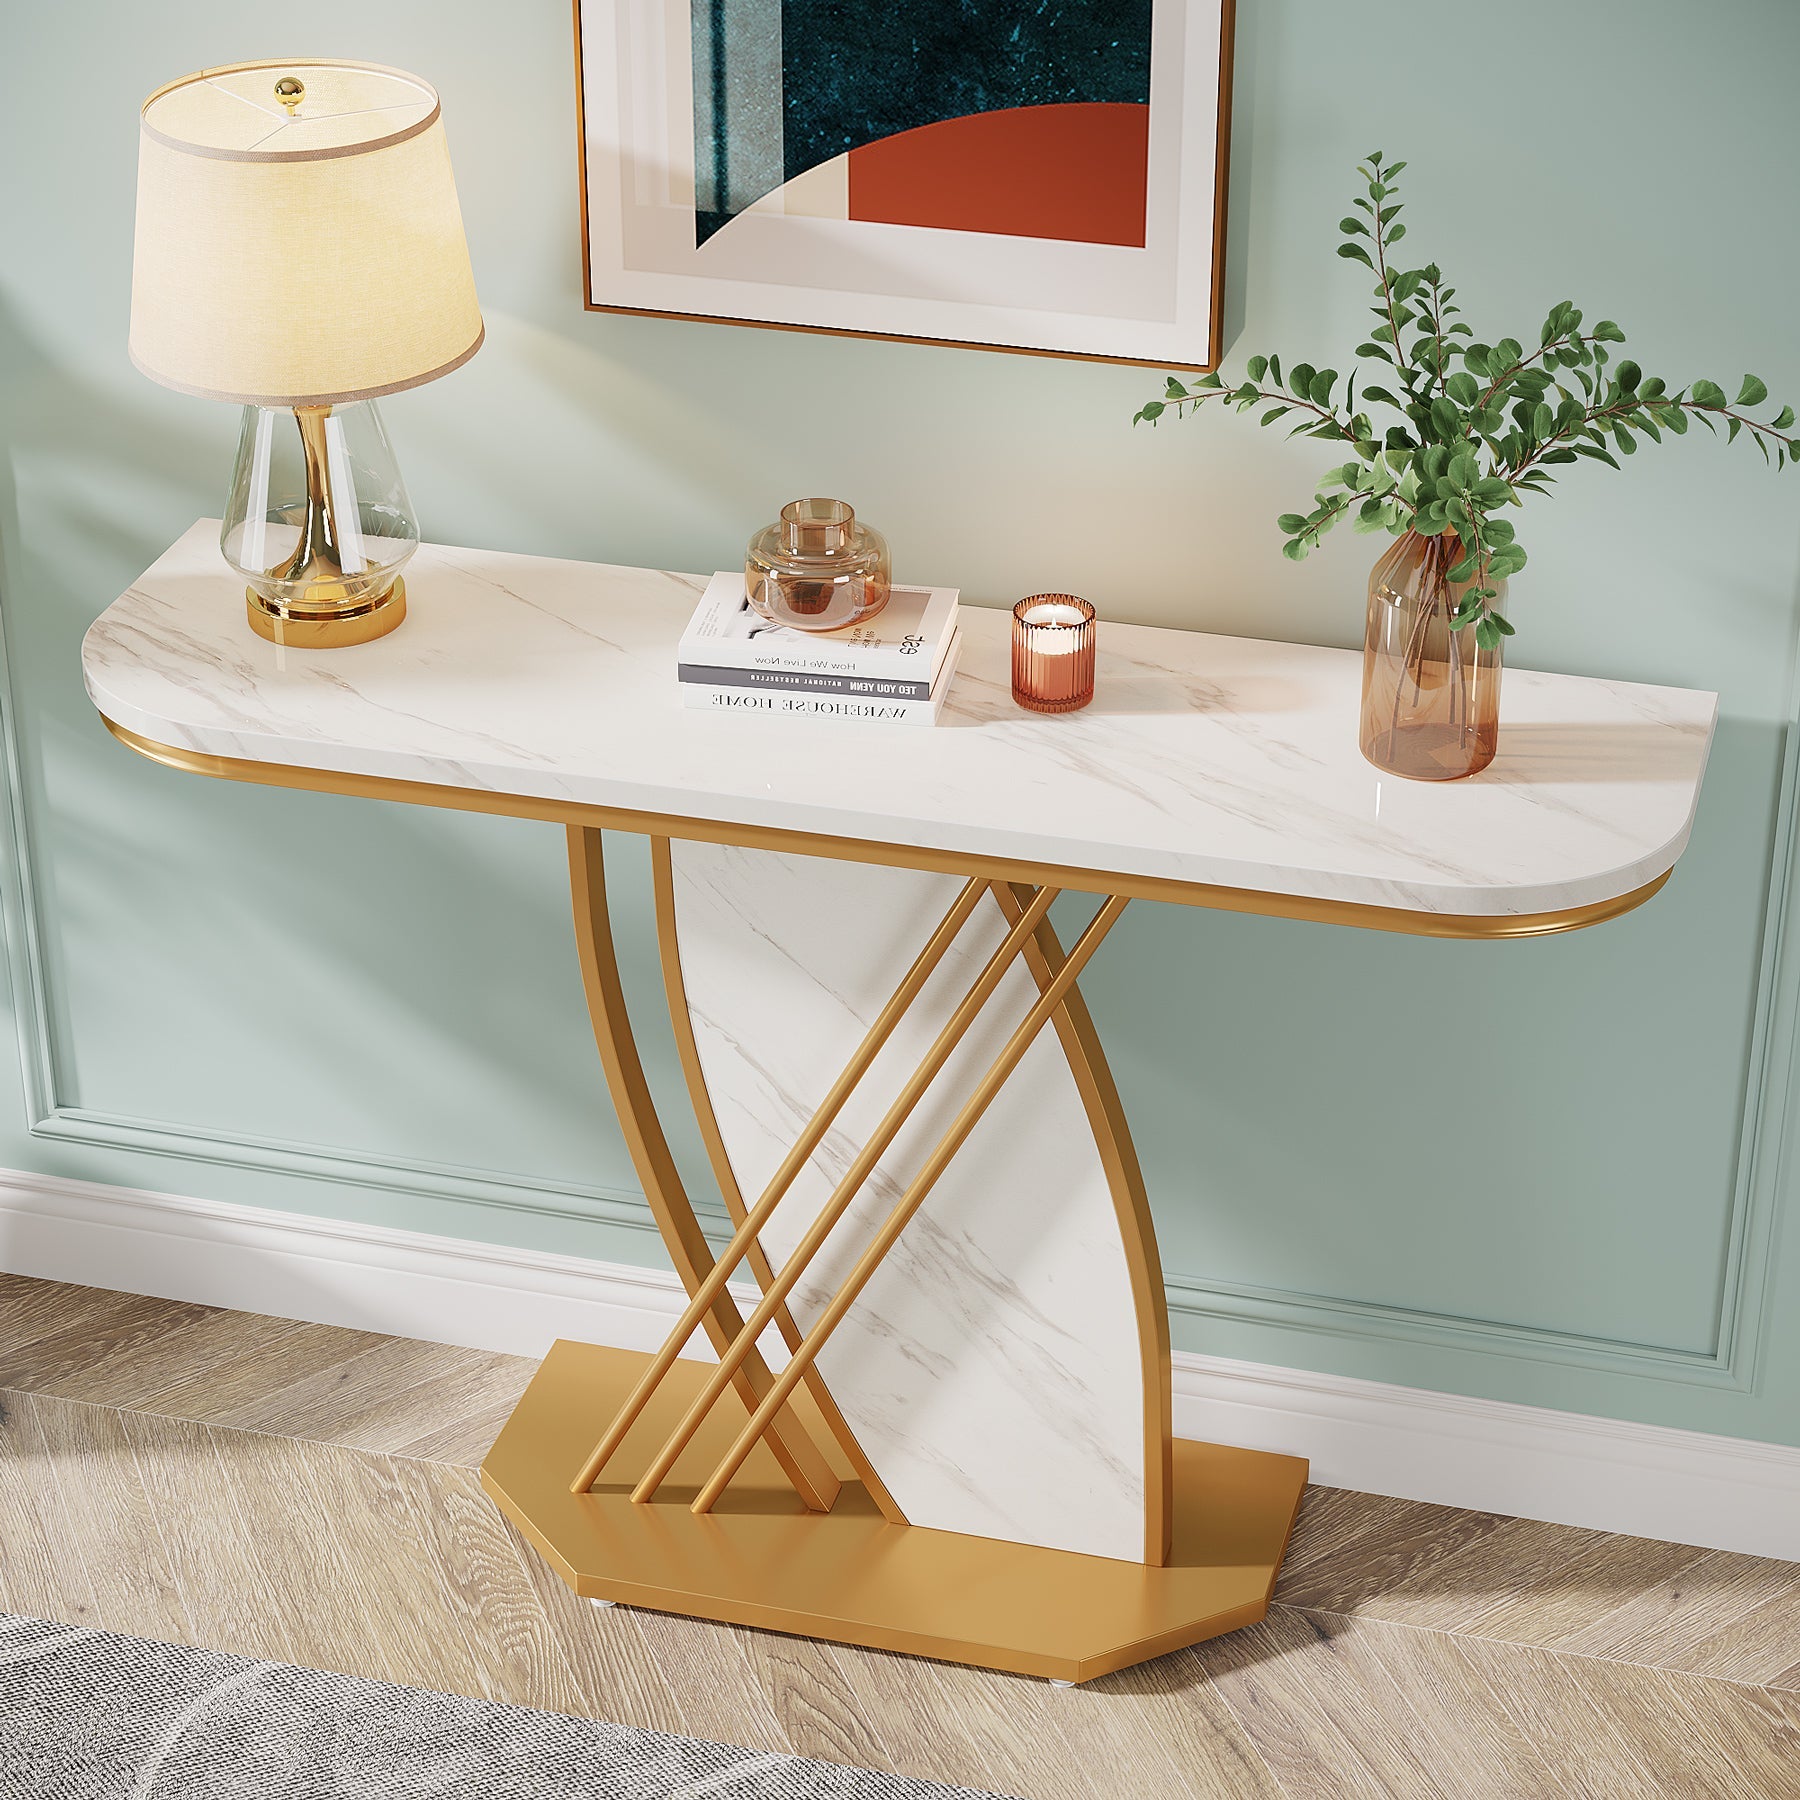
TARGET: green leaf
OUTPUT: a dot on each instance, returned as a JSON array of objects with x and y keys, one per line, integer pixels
[
  {"x": 1752, "y": 393},
  {"x": 1505, "y": 629},
  {"x": 1597, "y": 454},
  {"x": 1628, "y": 375},
  {"x": 1398, "y": 232},
  {"x": 1289, "y": 523},
  {"x": 1781, "y": 421},
  {"x": 1274, "y": 413},
  {"x": 1707, "y": 393},
  {"x": 1487, "y": 633},
  {"x": 1464, "y": 571},
  {"x": 1463, "y": 389},
  {"x": 1353, "y": 227},
  {"x": 1299, "y": 380},
  {"x": 1319, "y": 389},
  {"x": 1152, "y": 412},
  {"x": 1275, "y": 370},
  {"x": 1356, "y": 253},
  {"x": 1607, "y": 332},
  {"x": 1257, "y": 368},
  {"x": 1624, "y": 440},
  {"x": 1294, "y": 549}
]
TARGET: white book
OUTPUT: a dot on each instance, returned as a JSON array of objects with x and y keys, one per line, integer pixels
[
  {"x": 790, "y": 703},
  {"x": 905, "y": 641}
]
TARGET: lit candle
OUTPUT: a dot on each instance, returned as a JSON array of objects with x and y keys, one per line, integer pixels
[{"x": 1053, "y": 652}]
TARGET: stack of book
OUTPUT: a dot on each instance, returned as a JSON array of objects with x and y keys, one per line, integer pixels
[{"x": 895, "y": 668}]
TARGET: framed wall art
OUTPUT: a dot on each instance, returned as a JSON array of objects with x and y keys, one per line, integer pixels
[{"x": 1003, "y": 173}]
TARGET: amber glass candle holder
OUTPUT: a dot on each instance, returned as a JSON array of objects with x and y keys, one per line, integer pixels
[{"x": 1053, "y": 652}]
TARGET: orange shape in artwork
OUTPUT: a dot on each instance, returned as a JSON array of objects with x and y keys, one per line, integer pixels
[{"x": 1075, "y": 173}]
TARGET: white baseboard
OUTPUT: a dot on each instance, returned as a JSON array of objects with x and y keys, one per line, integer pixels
[{"x": 1652, "y": 1481}]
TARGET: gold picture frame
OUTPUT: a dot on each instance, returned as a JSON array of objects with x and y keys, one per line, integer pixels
[{"x": 1193, "y": 342}]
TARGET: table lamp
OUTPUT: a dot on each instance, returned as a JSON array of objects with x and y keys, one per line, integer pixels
[{"x": 300, "y": 251}]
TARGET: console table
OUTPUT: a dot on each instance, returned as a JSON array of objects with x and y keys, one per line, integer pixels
[{"x": 943, "y": 1426}]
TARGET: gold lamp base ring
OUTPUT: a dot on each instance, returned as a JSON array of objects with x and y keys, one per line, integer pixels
[{"x": 335, "y": 629}]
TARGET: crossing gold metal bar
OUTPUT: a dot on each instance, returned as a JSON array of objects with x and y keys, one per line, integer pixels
[
  {"x": 846, "y": 1190},
  {"x": 914, "y": 1197},
  {"x": 687, "y": 1047},
  {"x": 744, "y": 1238},
  {"x": 800, "y": 1458}
]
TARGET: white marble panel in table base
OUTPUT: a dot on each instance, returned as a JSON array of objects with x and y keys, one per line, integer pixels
[{"x": 993, "y": 1370}]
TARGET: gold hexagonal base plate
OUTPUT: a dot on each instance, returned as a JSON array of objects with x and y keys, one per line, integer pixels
[{"x": 760, "y": 1559}]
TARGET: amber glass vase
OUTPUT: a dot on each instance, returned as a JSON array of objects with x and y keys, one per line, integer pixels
[{"x": 1431, "y": 694}]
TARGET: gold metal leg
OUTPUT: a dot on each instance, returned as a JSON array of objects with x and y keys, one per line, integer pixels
[
  {"x": 681, "y": 1021},
  {"x": 744, "y": 1240},
  {"x": 847, "y": 1574},
  {"x": 847, "y": 1189},
  {"x": 800, "y": 1458},
  {"x": 1137, "y": 1230},
  {"x": 915, "y": 1195}
]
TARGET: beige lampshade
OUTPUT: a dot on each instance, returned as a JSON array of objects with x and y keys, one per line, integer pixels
[{"x": 304, "y": 256}]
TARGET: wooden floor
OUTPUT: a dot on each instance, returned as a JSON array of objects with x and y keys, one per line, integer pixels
[{"x": 307, "y": 1493}]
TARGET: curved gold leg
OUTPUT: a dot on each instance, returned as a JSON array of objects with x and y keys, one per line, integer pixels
[
  {"x": 669, "y": 944},
  {"x": 800, "y": 1458},
  {"x": 1137, "y": 1230}
]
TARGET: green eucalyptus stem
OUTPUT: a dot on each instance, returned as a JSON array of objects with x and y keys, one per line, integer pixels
[{"x": 1474, "y": 440}]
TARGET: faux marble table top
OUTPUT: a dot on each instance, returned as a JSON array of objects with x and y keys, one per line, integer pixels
[{"x": 1216, "y": 760}]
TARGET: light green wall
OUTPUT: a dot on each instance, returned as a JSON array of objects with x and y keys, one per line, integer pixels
[{"x": 370, "y": 1012}]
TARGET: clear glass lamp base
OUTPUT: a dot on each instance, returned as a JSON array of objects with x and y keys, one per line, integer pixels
[{"x": 319, "y": 525}]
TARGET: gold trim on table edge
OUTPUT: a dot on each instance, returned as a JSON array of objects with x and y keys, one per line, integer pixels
[{"x": 845, "y": 849}]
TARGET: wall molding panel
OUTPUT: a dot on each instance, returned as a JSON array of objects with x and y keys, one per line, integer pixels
[{"x": 1653, "y": 1481}]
